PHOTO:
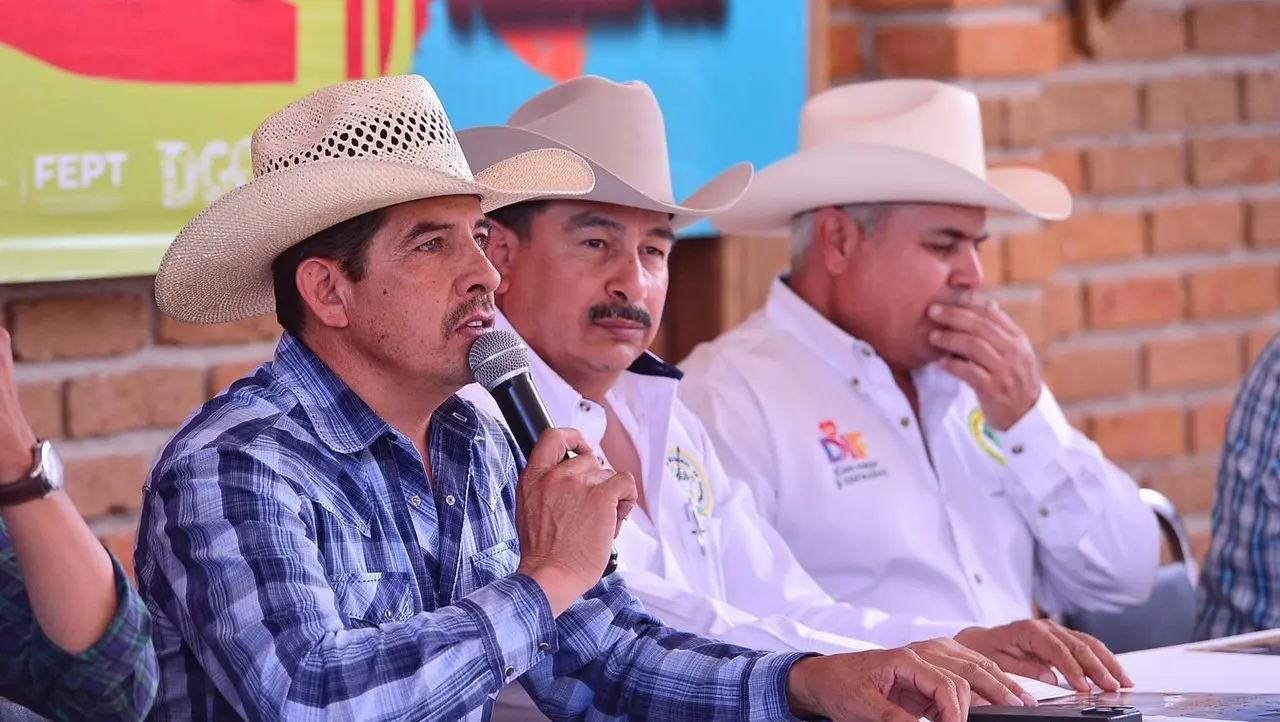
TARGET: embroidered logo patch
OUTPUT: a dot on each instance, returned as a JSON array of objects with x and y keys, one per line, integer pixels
[
  {"x": 847, "y": 453},
  {"x": 692, "y": 479},
  {"x": 985, "y": 437}
]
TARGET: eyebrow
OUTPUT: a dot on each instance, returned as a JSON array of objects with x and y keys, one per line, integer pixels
[
  {"x": 424, "y": 228},
  {"x": 956, "y": 234},
  {"x": 593, "y": 219}
]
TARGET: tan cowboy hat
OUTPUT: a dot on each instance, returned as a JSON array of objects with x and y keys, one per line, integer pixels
[
  {"x": 890, "y": 141},
  {"x": 334, "y": 154},
  {"x": 618, "y": 128}
]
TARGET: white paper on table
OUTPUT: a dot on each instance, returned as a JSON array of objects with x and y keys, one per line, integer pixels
[{"x": 1040, "y": 690}]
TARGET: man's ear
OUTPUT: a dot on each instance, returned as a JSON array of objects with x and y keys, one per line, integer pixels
[
  {"x": 502, "y": 249},
  {"x": 837, "y": 238},
  {"x": 325, "y": 290}
]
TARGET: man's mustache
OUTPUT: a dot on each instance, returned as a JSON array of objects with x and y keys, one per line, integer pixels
[
  {"x": 455, "y": 317},
  {"x": 634, "y": 314}
]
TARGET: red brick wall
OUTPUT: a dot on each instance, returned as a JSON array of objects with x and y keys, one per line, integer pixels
[
  {"x": 106, "y": 376},
  {"x": 1150, "y": 303}
]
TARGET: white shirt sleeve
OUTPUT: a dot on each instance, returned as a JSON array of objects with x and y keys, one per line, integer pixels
[{"x": 1098, "y": 544}]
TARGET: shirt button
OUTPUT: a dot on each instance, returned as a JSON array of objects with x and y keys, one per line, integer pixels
[
  {"x": 905, "y": 422},
  {"x": 857, "y": 383},
  {"x": 543, "y": 646},
  {"x": 415, "y": 500},
  {"x": 509, "y": 671},
  {"x": 448, "y": 499},
  {"x": 1044, "y": 512},
  {"x": 1017, "y": 449},
  {"x": 866, "y": 351},
  {"x": 584, "y": 405},
  {"x": 386, "y": 614},
  {"x": 977, "y": 578}
]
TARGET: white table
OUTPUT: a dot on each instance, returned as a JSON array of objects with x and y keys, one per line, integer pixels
[{"x": 1183, "y": 669}]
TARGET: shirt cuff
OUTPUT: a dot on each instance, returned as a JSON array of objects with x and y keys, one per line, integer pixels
[
  {"x": 766, "y": 686},
  {"x": 115, "y": 655},
  {"x": 1037, "y": 440},
  {"x": 516, "y": 624}
]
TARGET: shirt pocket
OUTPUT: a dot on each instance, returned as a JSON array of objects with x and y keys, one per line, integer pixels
[
  {"x": 496, "y": 562},
  {"x": 373, "y": 598}
]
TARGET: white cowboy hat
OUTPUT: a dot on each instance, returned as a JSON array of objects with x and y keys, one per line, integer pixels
[
  {"x": 335, "y": 154},
  {"x": 890, "y": 141},
  {"x": 618, "y": 128}
]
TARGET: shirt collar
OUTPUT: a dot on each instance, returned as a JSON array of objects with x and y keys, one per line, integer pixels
[
  {"x": 845, "y": 353},
  {"x": 342, "y": 420}
]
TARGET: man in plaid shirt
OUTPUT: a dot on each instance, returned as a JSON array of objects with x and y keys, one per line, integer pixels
[
  {"x": 1239, "y": 589},
  {"x": 339, "y": 536},
  {"x": 75, "y": 638}
]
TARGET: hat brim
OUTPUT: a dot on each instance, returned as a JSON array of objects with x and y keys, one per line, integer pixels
[
  {"x": 218, "y": 268},
  {"x": 491, "y": 143},
  {"x": 870, "y": 173}
]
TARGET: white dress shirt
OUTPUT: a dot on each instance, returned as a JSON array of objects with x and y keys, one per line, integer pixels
[
  {"x": 812, "y": 420},
  {"x": 701, "y": 558}
]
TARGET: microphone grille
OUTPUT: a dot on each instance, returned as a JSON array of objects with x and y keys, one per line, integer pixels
[{"x": 496, "y": 356}]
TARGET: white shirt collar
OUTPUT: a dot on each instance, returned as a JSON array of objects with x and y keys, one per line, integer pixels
[{"x": 848, "y": 356}]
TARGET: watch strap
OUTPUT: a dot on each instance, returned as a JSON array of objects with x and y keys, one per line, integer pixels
[{"x": 30, "y": 487}]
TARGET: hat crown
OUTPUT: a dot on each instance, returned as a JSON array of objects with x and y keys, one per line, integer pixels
[
  {"x": 925, "y": 116},
  {"x": 618, "y": 126},
  {"x": 399, "y": 119}
]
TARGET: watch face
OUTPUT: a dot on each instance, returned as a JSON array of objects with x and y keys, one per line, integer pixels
[{"x": 50, "y": 466}]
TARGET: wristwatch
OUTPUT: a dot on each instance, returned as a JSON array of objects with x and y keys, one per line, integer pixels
[{"x": 44, "y": 478}]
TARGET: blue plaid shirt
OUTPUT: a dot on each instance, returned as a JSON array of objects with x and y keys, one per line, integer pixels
[
  {"x": 298, "y": 566},
  {"x": 1240, "y": 586}
]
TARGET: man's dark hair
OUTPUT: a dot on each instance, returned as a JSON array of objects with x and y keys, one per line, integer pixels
[
  {"x": 345, "y": 243},
  {"x": 518, "y": 217}
]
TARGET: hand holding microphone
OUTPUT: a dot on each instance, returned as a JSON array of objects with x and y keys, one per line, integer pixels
[{"x": 568, "y": 507}]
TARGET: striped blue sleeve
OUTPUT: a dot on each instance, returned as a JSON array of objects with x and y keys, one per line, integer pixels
[{"x": 1240, "y": 584}]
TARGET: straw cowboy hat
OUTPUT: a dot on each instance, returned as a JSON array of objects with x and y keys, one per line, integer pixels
[
  {"x": 618, "y": 128},
  {"x": 334, "y": 154},
  {"x": 890, "y": 141}
]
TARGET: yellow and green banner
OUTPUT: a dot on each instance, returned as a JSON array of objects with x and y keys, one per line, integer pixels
[{"x": 122, "y": 119}]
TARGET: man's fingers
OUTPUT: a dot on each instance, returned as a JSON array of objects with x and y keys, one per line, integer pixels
[
  {"x": 1089, "y": 657},
  {"x": 971, "y": 347},
  {"x": 992, "y": 310},
  {"x": 934, "y": 684},
  {"x": 554, "y": 444},
  {"x": 972, "y": 319},
  {"x": 978, "y": 378},
  {"x": 1106, "y": 656},
  {"x": 621, "y": 489},
  {"x": 1051, "y": 649},
  {"x": 984, "y": 677}
]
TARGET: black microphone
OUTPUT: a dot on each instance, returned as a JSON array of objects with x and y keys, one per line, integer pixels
[{"x": 500, "y": 362}]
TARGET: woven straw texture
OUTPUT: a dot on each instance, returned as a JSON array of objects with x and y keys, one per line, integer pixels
[{"x": 339, "y": 152}]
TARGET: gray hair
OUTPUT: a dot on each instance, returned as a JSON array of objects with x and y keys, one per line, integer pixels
[{"x": 869, "y": 217}]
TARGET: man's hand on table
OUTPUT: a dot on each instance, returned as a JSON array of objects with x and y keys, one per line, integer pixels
[
  {"x": 937, "y": 679},
  {"x": 1034, "y": 647}
]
